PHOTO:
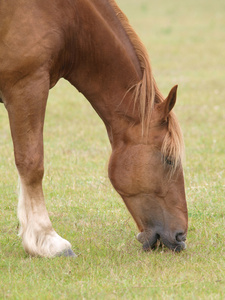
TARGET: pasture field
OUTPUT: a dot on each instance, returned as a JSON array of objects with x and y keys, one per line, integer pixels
[{"x": 185, "y": 40}]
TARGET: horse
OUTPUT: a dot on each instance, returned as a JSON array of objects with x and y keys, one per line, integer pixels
[{"x": 91, "y": 44}]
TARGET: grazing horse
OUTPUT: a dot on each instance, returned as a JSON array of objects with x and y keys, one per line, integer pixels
[{"x": 91, "y": 44}]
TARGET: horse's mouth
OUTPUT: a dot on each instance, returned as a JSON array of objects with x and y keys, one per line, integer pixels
[{"x": 150, "y": 242}]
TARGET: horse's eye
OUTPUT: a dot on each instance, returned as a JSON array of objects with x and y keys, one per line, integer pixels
[{"x": 169, "y": 161}]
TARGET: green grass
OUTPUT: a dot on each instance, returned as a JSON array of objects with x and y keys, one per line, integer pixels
[{"x": 185, "y": 41}]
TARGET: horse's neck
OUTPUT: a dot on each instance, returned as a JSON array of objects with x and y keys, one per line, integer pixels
[{"x": 106, "y": 63}]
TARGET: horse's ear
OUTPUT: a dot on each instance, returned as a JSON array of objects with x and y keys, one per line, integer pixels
[{"x": 170, "y": 101}]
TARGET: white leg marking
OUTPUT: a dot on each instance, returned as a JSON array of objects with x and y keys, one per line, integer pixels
[{"x": 38, "y": 236}]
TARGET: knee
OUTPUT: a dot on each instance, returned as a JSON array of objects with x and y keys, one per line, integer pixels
[{"x": 30, "y": 168}]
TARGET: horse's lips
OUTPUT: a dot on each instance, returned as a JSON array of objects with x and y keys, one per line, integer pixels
[{"x": 149, "y": 241}]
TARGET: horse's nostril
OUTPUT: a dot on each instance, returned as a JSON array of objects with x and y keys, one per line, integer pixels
[{"x": 180, "y": 237}]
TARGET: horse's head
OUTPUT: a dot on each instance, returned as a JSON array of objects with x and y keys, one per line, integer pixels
[{"x": 149, "y": 177}]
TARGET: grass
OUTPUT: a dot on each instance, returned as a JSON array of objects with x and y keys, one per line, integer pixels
[{"x": 186, "y": 46}]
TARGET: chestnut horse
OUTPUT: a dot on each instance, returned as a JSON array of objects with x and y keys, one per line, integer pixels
[{"x": 91, "y": 44}]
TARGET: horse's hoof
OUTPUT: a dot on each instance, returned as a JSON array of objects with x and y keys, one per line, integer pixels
[{"x": 67, "y": 253}]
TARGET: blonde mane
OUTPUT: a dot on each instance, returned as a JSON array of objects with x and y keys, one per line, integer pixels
[
  {"x": 173, "y": 143},
  {"x": 146, "y": 91}
]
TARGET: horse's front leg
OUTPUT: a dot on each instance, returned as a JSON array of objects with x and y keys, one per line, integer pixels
[{"x": 26, "y": 109}]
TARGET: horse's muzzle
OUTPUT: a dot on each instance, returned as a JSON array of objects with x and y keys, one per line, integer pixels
[{"x": 174, "y": 242}]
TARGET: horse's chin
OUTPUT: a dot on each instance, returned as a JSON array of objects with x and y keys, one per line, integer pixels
[
  {"x": 148, "y": 239},
  {"x": 151, "y": 239}
]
